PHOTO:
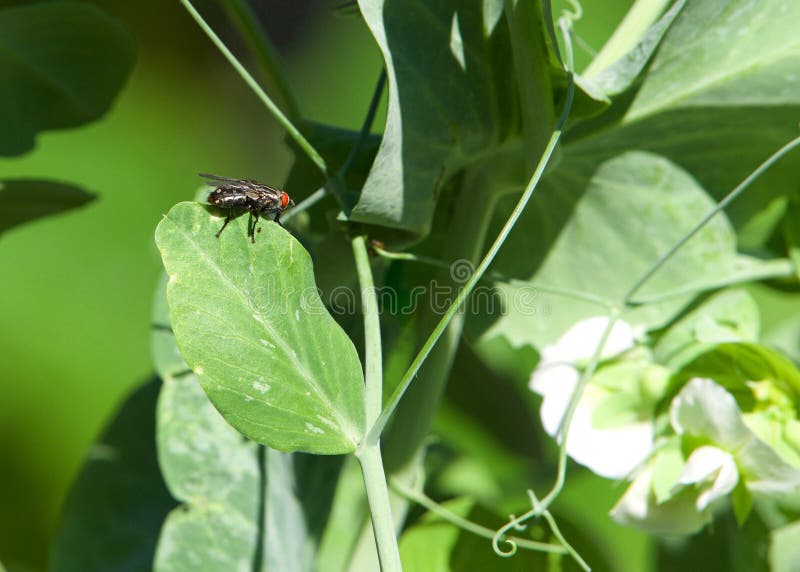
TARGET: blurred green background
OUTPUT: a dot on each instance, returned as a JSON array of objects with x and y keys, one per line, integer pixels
[{"x": 76, "y": 293}]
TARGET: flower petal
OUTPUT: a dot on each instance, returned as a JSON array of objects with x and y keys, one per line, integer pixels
[
  {"x": 704, "y": 408},
  {"x": 710, "y": 464},
  {"x": 581, "y": 340},
  {"x": 638, "y": 507}
]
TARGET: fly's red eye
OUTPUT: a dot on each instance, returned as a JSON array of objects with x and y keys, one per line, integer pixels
[{"x": 284, "y": 199}]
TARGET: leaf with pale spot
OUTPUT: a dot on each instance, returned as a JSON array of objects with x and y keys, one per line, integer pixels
[{"x": 250, "y": 323}]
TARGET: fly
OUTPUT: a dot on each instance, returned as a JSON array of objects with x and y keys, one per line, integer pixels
[{"x": 235, "y": 195}]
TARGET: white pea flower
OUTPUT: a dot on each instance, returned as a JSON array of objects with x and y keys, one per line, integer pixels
[
  {"x": 705, "y": 412},
  {"x": 610, "y": 450}
]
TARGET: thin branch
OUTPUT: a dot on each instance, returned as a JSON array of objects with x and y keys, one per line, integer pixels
[
  {"x": 430, "y": 505},
  {"x": 730, "y": 197}
]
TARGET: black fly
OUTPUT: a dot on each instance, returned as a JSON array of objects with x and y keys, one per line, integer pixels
[{"x": 243, "y": 195}]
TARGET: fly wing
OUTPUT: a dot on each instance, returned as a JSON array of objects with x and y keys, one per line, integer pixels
[{"x": 226, "y": 180}]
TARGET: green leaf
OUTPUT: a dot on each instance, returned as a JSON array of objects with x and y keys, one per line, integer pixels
[
  {"x": 250, "y": 323},
  {"x": 61, "y": 65},
  {"x": 718, "y": 99},
  {"x": 623, "y": 73},
  {"x": 452, "y": 100},
  {"x": 731, "y": 315},
  {"x": 734, "y": 365},
  {"x": 208, "y": 466},
  {"x": 597, "y": 240},
  {"x": 784, "y": 548},
  {"x": 112, "y": 515},
  {"x": 24, "y": 200}
]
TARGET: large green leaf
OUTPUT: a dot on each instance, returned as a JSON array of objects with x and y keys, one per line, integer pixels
[
  {"x": 720, "y": 96},
  {"x": 23, "y": 200},
  {"x": 61, "y": 65},
  {"x": 731, "y": 315},
  {"x": 113, "y": 512},
  {"x": 598, "y": 240},
  {"x": 250, "y": 323},
  {"x": 452, "y": 100}
]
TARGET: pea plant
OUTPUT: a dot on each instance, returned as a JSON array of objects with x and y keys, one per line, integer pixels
[{"x": 529, "y": 265}]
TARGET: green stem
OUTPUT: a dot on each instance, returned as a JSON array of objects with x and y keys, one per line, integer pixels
[
  {"x": 376, "y": 430},
  {"x": 243, "y": 17},
  {"x": 378, "y": 497},
  {"x": 730, "y": 197},
  {"x": 366, "y": 127},
  {"x": 540, "y": 508},
  {"x": 373, "y": 369},
  {"x": 293, "y": 132},
  {"x": 557, "y": 533},
  {"x": 776, "y": 268},
  {"x": 494, "y": 277},
  {"x": 563, "y": 429},
  {"x": 429, "y": 504},
  {"x": 369, "y": 455},
  {"x": 639, "y": 18}
]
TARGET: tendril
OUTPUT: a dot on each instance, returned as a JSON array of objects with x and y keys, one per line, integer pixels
[{"x": 515, "y": 523}]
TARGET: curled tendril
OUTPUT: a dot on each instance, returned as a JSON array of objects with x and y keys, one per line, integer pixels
[
  {"x": 576, "y": 13},
  {"x": 513, "y": 523}
]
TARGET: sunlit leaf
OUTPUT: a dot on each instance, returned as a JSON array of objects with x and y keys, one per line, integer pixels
[
  {"x": 729, "y": 316},
  {"x": 720, "y": 96},
  {"x": 61, "y": 65},
  {"x": 250, "y": 323},
  {"x": 599, "y": 239}
]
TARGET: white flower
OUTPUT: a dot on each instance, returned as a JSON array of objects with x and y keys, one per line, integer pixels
[
  {"x": 713, "y": 471},
  {"x": 611, "y": 452},
  {"x": 704, "y": 412}
]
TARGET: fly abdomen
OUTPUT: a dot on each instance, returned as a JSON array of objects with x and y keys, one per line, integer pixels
[{"x": 228, "y": 199}]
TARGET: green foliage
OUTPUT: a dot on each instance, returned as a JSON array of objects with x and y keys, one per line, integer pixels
[
  {"x": 69, "y": 79},
  {"x": 621, "y": 285},
  {"x": 253, "y": 309}
]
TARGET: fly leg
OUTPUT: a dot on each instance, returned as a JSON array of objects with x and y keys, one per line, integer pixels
[
  {"x": 254, "y": 214},
  {"x": 227, "y": 220}
]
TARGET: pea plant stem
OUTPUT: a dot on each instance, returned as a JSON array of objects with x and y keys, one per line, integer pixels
[
  {"x": 369, "y": 454},
  {"x": 369, "y": 457}
]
